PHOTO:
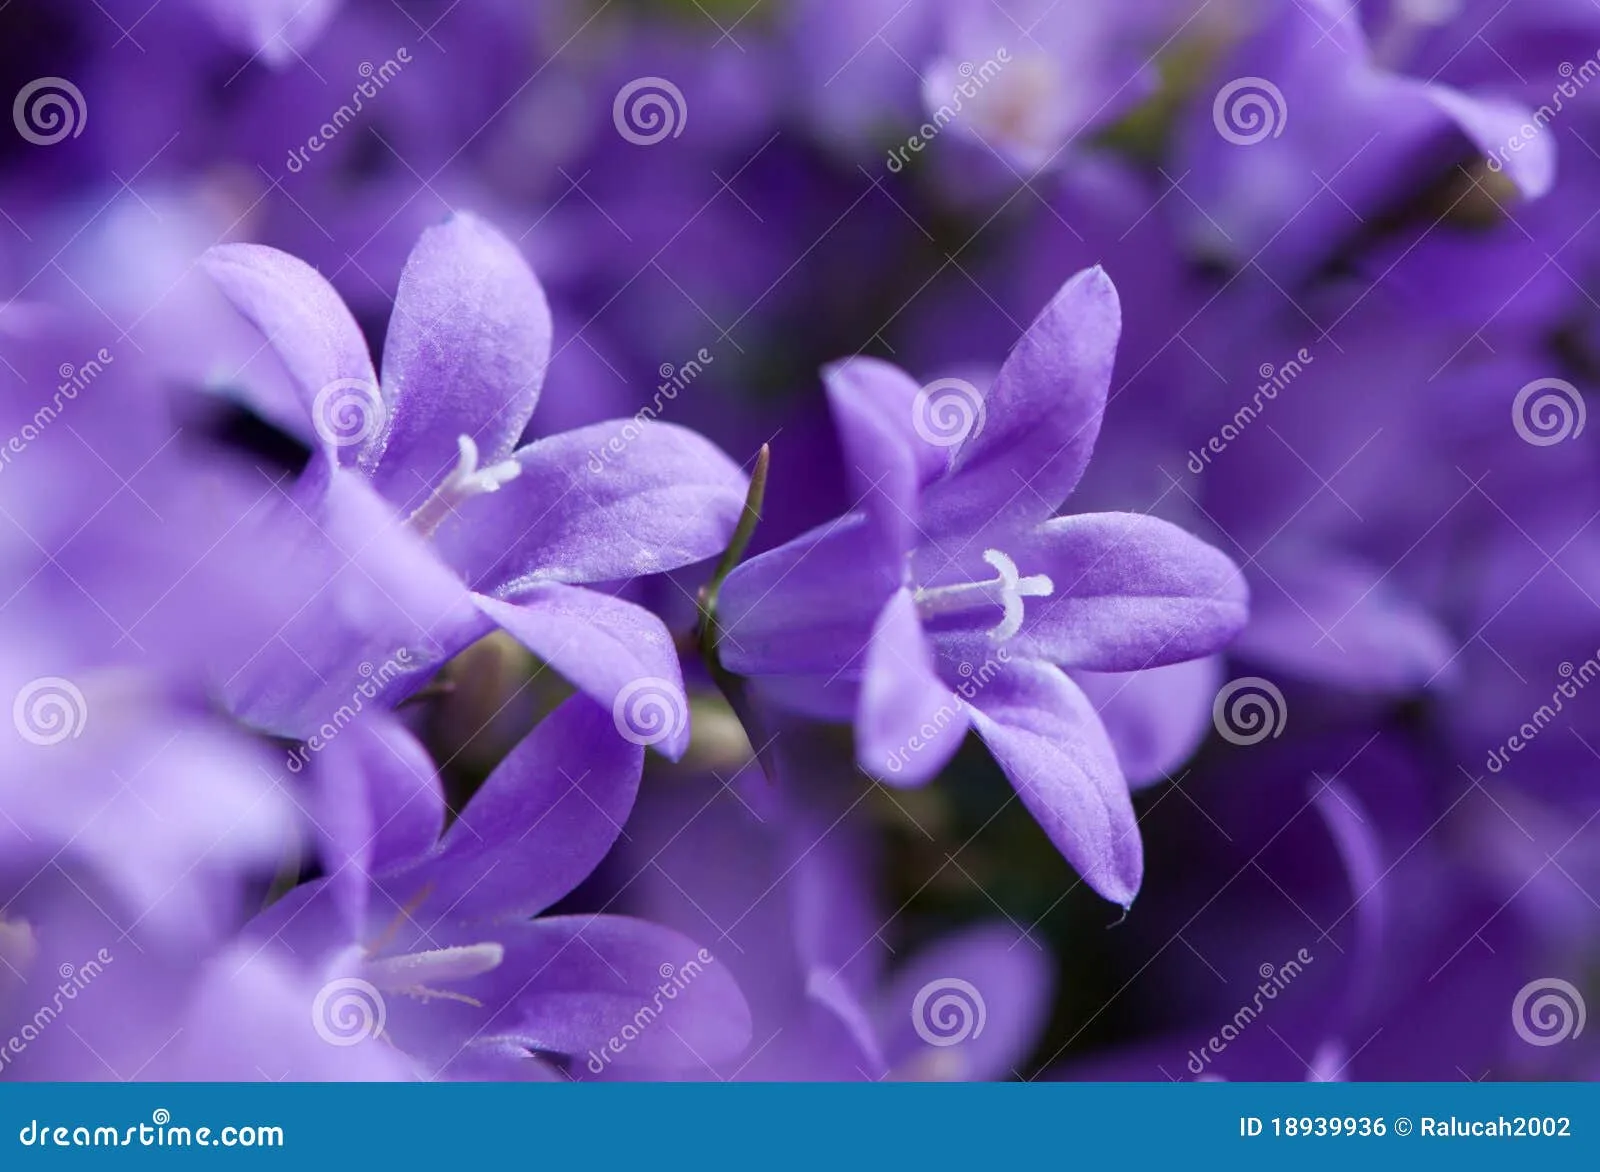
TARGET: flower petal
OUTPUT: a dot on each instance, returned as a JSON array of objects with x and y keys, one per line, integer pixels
[
  {"x": 1157, "y": 718},
  {"x": 807, "y": 607},
  {"x": 1347, "y": 622},
  {"x": 909, "y": 723},
  {"x": 618, "y": 992},
  {"x": 968, "y": 1008},
  {"x": 541, "y": 823},
  {"x": 312, "y": 332},
  {"x": 377, "y": 803},
  {"x": 466, "y": 353},
  {"x": 600, "y": 504},
  {"x": 620, "y": 654},
  {"x": 1495, "y": 127},
  {"x": 875, "y": 409},
  {"x": 376, "y": 595},
  {"x": 1044, "y": 733},
  {"x": 1131, "y": 592},
  {"x": 1041, "y": 417}
]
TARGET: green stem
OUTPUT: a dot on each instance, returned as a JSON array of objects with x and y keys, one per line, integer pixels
[{"x": 733, "y": 686}]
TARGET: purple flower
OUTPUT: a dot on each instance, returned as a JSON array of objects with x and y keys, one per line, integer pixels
[
  {"x": 1030, "y": 78},
  {"x": 423, "y": 942},
  {"x": 471, "y": 531},
  {"x": 275, "y": 30},
  {"x": 953, "y": 576},
  {"x": 1311, "y": 128},
  {"x": 813, "y": 952}
]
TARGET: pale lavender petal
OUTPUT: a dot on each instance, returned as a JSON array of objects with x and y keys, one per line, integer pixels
[
  {"x": 1130, "y": 592},
  {"x": 1347, "y": 622},
  {"x": 1041, "y": 417},
  {"x": 618, "y": 993},
  {"x": 377, "y": 804},
  {"x": 309, "y": 328},
  {"x": 466, "y": 353},
  {"x": 264, "y": 1008},
  {"x": 603, "y": 503},
  {"x": 969, "y": 1008},
  {"x": 541, "y": 823},
  {"x": 278, "y": 31},
  {"x": 1157, "y": 718},
  {"x": 808, "y": 606},
  {"x": 382, "y": 600},
  {"x": 1048, "y": 740},
  {"x": 875, "y": 408},
  {"x": 1495, "y": 126},
  {"x": 910, "y": 723},
  {"x": 620, "y": 654}
]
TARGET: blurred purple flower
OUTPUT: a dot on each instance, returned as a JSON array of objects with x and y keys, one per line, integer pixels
[{"x": 427, "y": 938}]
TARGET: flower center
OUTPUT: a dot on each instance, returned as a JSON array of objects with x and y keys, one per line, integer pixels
[
  {"x": 1022, "y": 105},
  {"x": 465, "y": 481},
  {"x": 1006, "y": 590}
]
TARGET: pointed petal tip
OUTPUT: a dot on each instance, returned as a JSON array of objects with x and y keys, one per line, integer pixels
[{"x": 1096, "y": 279}]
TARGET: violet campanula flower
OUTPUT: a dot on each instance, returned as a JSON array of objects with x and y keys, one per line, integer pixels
[
  {"x": 424, "y": 940},
  {"x": 785, "y": 877},
  {"x": 1309, "y": 126},
  {"x": 1029, "y": 78},
  {"x": 479, "y": 531},
  {"x": 953, "y": 574}
]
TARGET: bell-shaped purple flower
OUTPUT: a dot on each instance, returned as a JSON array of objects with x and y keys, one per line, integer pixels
[
  {"x": 421, "y": 935},
  {"x": 429, "y": 508},
  {"x": 953, "y": 598}
]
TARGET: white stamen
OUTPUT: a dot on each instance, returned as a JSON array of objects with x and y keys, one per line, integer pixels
[
  {"x": 440, "y": 966},
  {"x": 466, "y": 480},
  {"x": 1006, "y": 590}
]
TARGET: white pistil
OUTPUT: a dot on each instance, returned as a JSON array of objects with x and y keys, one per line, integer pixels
[
  {"x": 465, "y": 481},
  {"x": 1006, "y": 590}
]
